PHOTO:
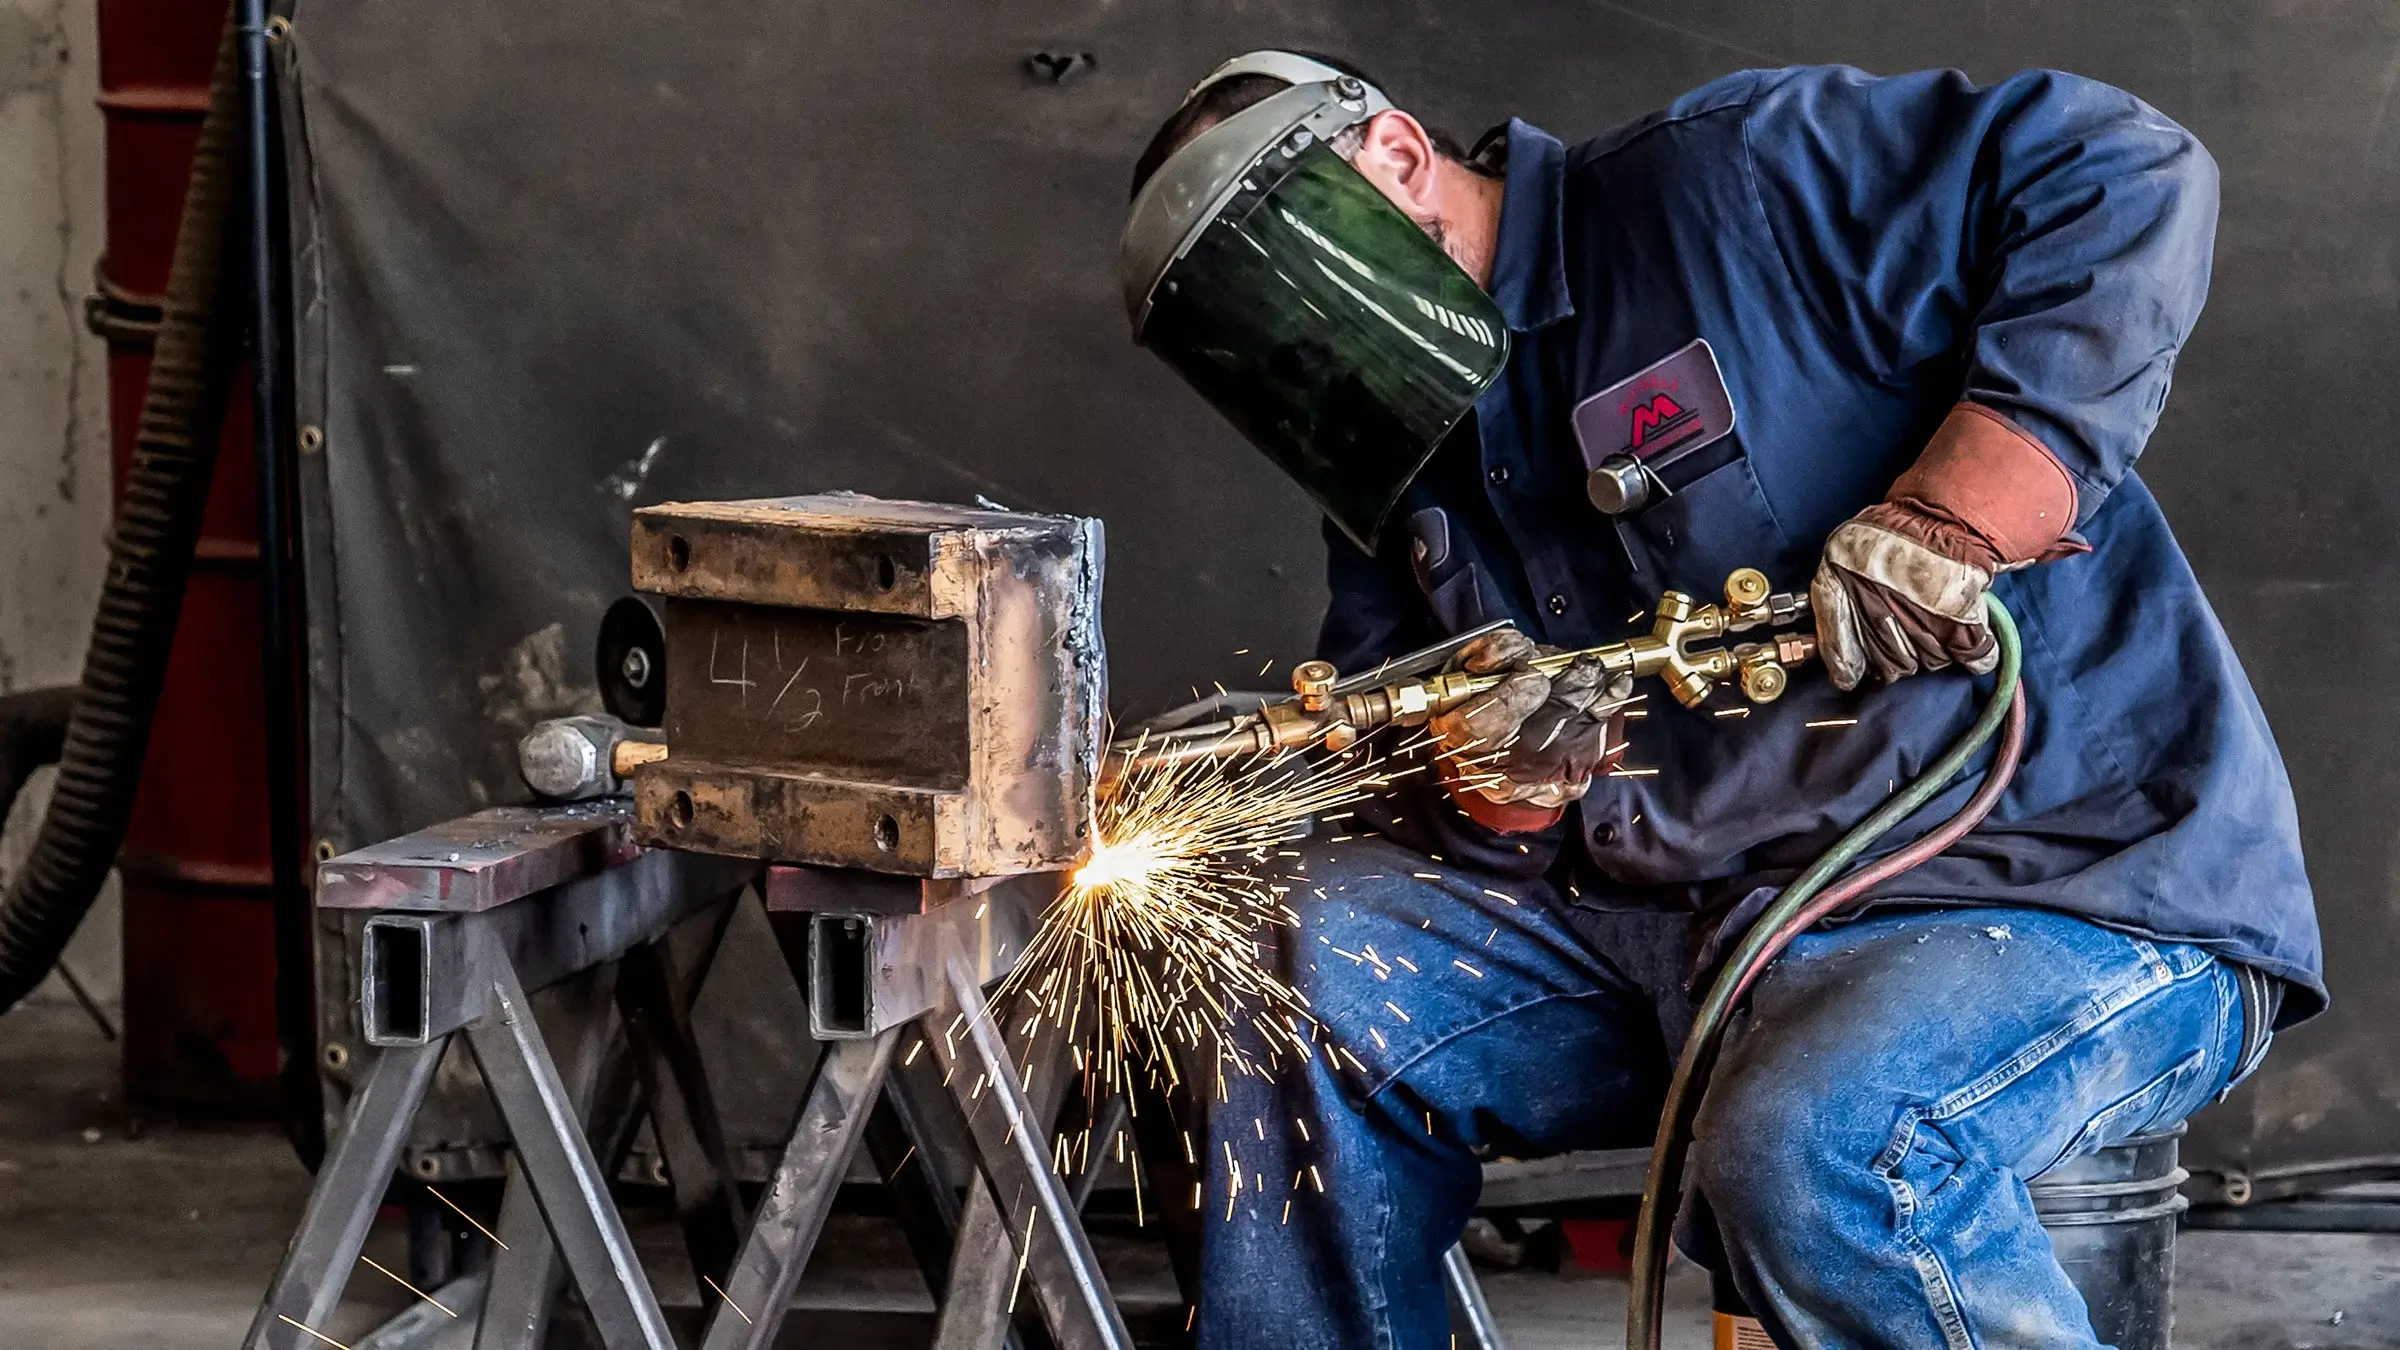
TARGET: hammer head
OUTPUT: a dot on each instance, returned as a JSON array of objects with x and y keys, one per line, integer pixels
[{"x": 570, "y": 759}]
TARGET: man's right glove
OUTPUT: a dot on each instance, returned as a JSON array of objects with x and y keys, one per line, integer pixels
[
  {"x": 1901, "y": 585},
  {"x": 1514, "y": 756}
]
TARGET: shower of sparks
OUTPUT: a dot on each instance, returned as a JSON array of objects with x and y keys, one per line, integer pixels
[{"x": 1160, "y": 942}]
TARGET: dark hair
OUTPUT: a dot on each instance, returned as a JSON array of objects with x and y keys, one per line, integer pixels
[{"x": 1227, "y": 97}]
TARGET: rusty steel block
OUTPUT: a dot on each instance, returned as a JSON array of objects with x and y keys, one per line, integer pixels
[{"x": 906, "y": 687}]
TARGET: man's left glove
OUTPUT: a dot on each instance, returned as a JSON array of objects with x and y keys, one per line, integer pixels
[
  {"x": 1901, "y": 586},
  {"x": 1516, "y": 755}
]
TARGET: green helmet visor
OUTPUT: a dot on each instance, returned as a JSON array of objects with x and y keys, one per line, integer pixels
[{"x": 1329, "y": 329}]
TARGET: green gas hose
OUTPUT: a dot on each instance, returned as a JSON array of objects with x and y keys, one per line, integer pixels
[{"x": 1792, "y": 912}]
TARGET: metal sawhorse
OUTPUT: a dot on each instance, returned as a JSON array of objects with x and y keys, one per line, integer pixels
[
  {"x": 869, "y": 976},
  {"x": 470, "y": 916}
]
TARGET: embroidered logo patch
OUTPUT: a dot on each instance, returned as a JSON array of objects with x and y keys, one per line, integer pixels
[{"x": 1658, "y": 414}]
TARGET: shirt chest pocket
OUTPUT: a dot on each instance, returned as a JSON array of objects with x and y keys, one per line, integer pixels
[{"x": 1716, "y": 523}]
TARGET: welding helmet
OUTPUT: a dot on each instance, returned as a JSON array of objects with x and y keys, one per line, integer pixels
[{"x": 1316, "y": 316}]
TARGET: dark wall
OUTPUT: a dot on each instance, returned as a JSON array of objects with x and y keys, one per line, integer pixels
[{"x": 557, "y": 261}]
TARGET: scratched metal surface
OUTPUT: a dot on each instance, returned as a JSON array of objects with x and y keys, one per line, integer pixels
[
  {"x": 559, "y": 261},
  {"x": 476, "y": 862}
]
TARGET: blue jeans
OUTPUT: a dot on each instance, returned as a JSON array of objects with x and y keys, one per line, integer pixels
[{"x": 1889, "y": 1088}]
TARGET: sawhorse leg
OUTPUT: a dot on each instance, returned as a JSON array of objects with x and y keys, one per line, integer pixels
[
  {"x": 1011, "y": 1131},
  {"x": 842, "y": 1092},
  {"x": 1020, "y": 1191},
  {"x": 526, "y": 1278},
  {"x": 924, "y": 1201},
  {"x": 683, "y": 1113},
  {"x": 350, "y": 1185},
  {"x": 546, "y": 1129},
  {"x": 600, "y": 1071}
]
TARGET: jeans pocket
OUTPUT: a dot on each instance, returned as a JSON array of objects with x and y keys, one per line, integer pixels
[{"x": 2160, "y": 1100}]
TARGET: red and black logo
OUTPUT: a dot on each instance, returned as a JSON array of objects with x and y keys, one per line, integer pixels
[
  {"x": 1662, "y": 412},
  {"x": 1658, "y": 424}
]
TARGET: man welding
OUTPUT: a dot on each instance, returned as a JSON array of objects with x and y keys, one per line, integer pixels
[{"x": 1905, "y": 335}]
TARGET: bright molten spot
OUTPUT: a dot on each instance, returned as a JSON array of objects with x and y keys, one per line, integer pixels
[{"x": 1116, "y": 861}]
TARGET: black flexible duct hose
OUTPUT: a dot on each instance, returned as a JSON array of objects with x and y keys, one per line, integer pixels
[
  {"x": 33, "y": 730},
  {"x": 150, "y": 558}
]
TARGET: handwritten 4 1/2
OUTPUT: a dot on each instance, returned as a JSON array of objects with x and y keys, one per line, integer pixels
[{"x": 795, "y": 698}]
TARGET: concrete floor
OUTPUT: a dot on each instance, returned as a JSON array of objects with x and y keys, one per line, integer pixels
[{"x": 115, "y": 1234}]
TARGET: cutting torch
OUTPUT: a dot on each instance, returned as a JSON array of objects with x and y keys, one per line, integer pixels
[{"x": 1325, "y": 707}]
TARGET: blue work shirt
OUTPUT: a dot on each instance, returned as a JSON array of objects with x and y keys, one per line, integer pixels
[{"x": 1860, "y": 254}]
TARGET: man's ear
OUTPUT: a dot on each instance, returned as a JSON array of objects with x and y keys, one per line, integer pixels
[{"x": 1399, "y": 159}]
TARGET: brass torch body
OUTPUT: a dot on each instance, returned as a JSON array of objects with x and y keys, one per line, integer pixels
[{"x": 1677, "y": 650}]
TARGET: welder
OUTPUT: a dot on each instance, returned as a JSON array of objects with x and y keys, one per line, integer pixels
[{"x": 1901, "y": 336}]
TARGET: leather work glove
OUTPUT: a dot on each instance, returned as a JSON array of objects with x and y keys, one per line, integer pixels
[
  {"x": 1514, "y": 756},
  {"x": 1901, "y": 585}
]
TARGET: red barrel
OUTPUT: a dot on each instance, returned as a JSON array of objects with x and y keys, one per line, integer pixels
[{"x": 199, "y": 931}]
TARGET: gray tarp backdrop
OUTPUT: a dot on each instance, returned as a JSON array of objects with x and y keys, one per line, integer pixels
[{"x": 558, "y": 260}]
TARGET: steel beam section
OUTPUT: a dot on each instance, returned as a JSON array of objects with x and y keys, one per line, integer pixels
[
  {"x": 1467, "y": 1293},
  {"x": 546, "y": 1128},
  {"x": 526, "y": 1278},
  {"x": 422, "y": 975},
  {"x": 350, "y": 1184},
  {"x": 1012, "y": 1145},
  {"x": 481, "y": 861},
  {"x": 869, "y": 973},
  {"x": 842, "y": 1093}
]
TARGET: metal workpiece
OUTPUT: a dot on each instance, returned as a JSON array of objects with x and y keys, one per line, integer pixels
[
  {"x": 341, "y": 1206},
  {"x": 901, "y": 687},
  {"x": 841, "y": 1095},
  {"x": 546, "y": 1126},
  {"x": 481, "y": 861},
  {"x": 870, "y": 973},
  {"x": 1011, "y": 1124},
  {"x": 424, "y": 975},
  {"x": 1336, "y": 713}
]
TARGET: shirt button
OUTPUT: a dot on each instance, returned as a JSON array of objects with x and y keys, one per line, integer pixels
[
  {"x": 1498, "y": 475},
  {"x": 1605, "y": 834},
  {"x": 1558, "y": 603}
]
